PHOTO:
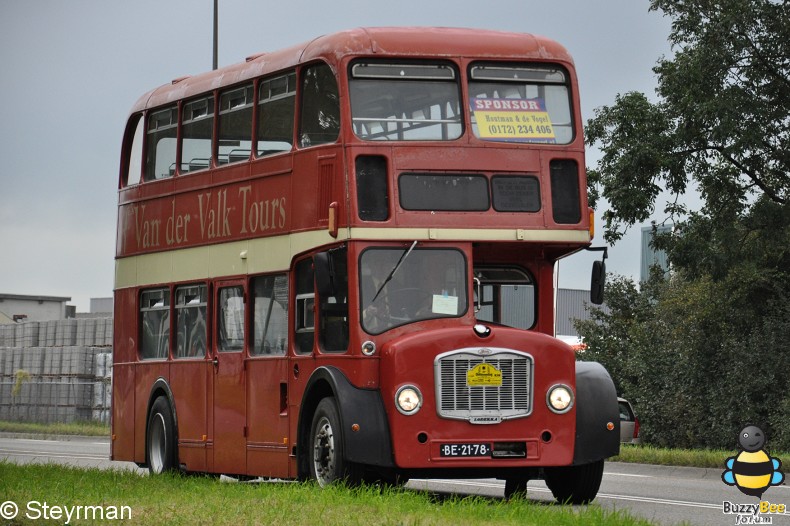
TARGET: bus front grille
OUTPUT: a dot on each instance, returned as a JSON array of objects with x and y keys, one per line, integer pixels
[{"x": 485, "y": 401}]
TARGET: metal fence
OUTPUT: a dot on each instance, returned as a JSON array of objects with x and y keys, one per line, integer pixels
[{"x": 59, "y": 371}]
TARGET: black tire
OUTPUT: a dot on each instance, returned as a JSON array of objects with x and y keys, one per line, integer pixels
[
  {"x": 575, "y": 484},
  {"x": 326, "y": 454},
  {"x": 515, "y": 488},
  {"x": 160, "y": 444}
]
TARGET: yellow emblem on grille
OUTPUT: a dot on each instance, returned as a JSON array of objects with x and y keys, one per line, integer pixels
[{"x": 484, "y": 374}]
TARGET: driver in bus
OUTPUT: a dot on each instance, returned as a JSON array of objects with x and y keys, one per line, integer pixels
[{"x": 439, "y": 294}]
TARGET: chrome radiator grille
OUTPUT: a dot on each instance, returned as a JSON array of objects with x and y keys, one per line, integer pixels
[{"x": 510, "y": 397}]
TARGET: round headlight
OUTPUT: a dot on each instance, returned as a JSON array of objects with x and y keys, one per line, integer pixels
[
  {"x": 408, "y": 399},
  {"x": 560, "y": 399}
]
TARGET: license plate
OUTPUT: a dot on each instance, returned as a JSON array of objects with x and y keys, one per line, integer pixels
[{"x": 465, "y": 450}]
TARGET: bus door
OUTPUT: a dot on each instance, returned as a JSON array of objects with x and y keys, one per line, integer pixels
[
  {"x": 268, "y": 444},
  {"x": 230, "y": 441}
]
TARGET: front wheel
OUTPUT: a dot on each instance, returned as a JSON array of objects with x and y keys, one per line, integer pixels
[
  {"x": 575, "y": 484},
  {"x": 161, "y": 439},
  {"x": 515, "y": 488},
  {"x": 327, "y": 460}
]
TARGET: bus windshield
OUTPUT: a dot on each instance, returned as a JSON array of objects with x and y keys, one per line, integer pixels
[
  {"x": 429, "y": 283},
  {"x": 405, "y": 102}
]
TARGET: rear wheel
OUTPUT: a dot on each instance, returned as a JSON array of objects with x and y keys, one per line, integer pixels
[
  {"x": 327, "y": 460},
  {"x": 575, "y": 484},
  {"x": 161, "y": 439}
]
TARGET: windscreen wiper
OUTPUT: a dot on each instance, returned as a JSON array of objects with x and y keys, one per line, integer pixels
[{"x": 394, "y": 270}]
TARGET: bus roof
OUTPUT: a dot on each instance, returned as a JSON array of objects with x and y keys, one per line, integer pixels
[{"x": 381, "y": 41}]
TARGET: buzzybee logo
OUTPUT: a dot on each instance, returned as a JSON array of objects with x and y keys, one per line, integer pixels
[{"x": 752, "y": 470}]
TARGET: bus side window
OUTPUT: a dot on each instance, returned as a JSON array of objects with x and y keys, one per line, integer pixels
[
  {"x": 276, "y": 102},
  {"x": 333, "y": 303},
  {"x": 154, "y": 324},
  {"x": 197, "y": 128},
  {"x": 235, "y": 125},
  {"x": 230, "y": 319},
  {"x": 320, "y": 107},
  {"x": 304, "y": 334},
  {"x": 270, "y": 315},
  {"x": 160, "y": 159},
  {"x": 133, "y": 152},
  {"x": 190, "y": 309}
]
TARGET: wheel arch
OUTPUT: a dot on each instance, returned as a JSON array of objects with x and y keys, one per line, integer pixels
[
  {"x": 596, "y": 407},
  {"x": 370, "y": 445}
]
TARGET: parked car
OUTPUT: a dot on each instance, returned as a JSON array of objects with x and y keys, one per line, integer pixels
[{"x": 629, "y": 423}]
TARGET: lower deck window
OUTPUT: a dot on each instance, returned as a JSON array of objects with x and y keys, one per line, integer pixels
[
  {"x": 154, "y": 324},
  {"x": 230, "y": 319},
  {"x": 191, "y": 321},
  {"x": 270, "y": 318}
]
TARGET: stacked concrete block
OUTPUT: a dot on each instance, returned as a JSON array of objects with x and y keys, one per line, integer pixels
[
  {"x": 86, "y": 332},
  {"x": 81, "y": 362},
  {"x": 62, "y": 384},
  {"x": 33, "y": 360},
  {"x": 68, "y": 366},
  {"x": 47, "y": 333},
  {"x": 6, "y": 335},
  {"x": 101, "y": 329},
  {"x": 104, "y": 332},
  {"x": 66, "y": 333},
  {"x": 102, "y": 387},
  {"x": 6, "y": 385},
  {"x": 30, "y": 332},
  {"x": 19, "y": 335}
]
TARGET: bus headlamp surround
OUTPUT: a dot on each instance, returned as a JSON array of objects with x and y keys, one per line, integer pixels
[
  {"x": 408, "y": 399},
  {"x": 560, "y": 398}
]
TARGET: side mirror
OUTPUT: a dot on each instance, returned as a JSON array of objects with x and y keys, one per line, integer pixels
[
  {"x": 597, "y": 282},
  {"x": 324, "y": 274}
]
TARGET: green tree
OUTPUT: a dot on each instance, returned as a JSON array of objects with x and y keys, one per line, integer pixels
[
  {"x": 696, "y": 366},
  {"x": 707, "y": 350},
  {"x": 720, "y": 123}
]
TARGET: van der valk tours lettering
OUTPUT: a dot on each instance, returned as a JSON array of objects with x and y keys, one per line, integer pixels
[{"x": 216, "y": 219}]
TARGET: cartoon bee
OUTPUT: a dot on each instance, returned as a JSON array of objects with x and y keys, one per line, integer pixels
[{"x": 752, "y": 470}]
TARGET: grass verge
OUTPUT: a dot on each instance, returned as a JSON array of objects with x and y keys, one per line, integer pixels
[
  {"x": 175, "y": 499},
  {"x": 75, "y": 428},
  {"x": 698, "y": 458}
]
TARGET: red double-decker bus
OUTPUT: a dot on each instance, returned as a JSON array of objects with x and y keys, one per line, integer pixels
[{"x": 337, "y": 261}]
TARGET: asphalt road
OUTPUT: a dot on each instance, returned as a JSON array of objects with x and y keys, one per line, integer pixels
[{"x": 666, "y": 495}]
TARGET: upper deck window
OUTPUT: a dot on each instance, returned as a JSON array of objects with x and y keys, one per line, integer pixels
[
  {"x": 132, "y": 161},
  {"x": 320, "y": 107},
  {"x": 277, "y": 99},
  {"x": 520, "y": 103},
  {"x": 197, "y": 128},
  {"x": 405, "y": 102},
  {"x": 235, "y": 125},
  {"x": 160, "y": 161}
]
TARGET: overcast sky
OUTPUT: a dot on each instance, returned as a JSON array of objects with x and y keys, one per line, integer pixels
[{"x": 72, "y": 69}]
